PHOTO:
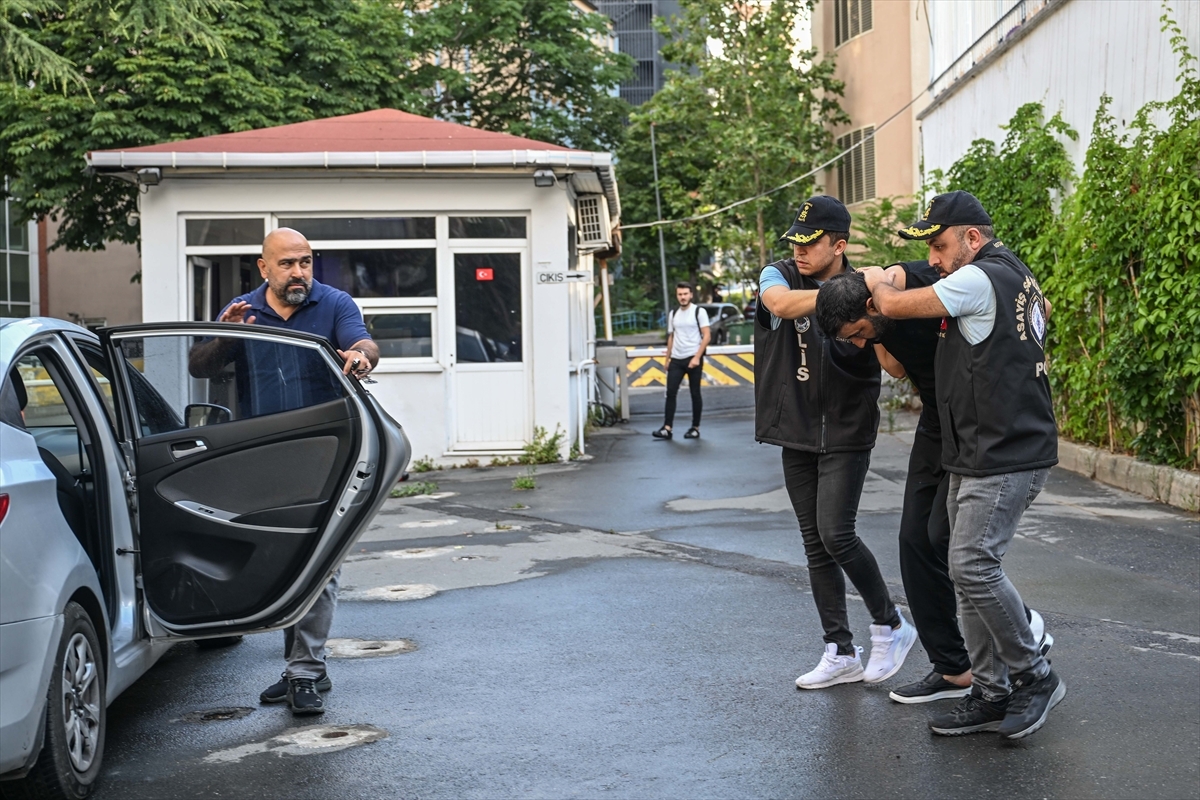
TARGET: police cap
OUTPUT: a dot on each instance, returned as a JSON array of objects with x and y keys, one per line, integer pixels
[
  {"x": 946, "y": 211},
  {"x": 817, "y": 216}
]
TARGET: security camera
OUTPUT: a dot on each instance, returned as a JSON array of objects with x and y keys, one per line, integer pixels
[{"x": 149, "y": 176}]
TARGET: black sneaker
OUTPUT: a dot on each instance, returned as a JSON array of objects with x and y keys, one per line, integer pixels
[
  {"x": 969, "y": 715},
  {"x": 662, "y": 433},
  {"x": 1030, "y": 704},
  {"x": 692, "y": 433},
  {"x": 303, "y": 697},
  {"x": 932, "y": 687},
  {"x": 277, "y": 692}
]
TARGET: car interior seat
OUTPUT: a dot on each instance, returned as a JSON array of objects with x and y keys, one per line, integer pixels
[{"x": 70, "y": 493}]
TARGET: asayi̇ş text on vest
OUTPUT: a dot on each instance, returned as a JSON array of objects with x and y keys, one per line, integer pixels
[{"x": 994, "y": 397}]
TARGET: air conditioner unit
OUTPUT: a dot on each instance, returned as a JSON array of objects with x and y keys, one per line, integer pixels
[{"x": 595, "y": 229}]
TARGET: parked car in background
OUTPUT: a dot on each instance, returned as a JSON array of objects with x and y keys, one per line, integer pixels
[
  {"x": 720, "y": 317},
  {"x": 141, "y": 506}
]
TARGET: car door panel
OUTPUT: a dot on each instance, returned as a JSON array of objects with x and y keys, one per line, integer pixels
[{"x": 242, "y": 522}]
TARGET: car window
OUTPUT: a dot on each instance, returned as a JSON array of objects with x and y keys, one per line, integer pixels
[
  {"x": 184, "y": 381},
  {"x": 46, "y": 414},
  {"x": 100, "y": 370}
]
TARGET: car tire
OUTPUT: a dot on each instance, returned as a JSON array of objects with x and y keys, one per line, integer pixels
[
  {"x": 218, "y": 642},
  {"x": 76, "y": 718}
]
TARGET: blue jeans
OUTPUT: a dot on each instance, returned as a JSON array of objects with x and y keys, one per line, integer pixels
[{"x": 984, "y": 513}]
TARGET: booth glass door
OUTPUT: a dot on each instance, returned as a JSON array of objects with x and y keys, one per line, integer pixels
[{"x": 491, "y": 386}]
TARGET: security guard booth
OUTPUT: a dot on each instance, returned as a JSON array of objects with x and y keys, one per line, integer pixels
[{"x": 469, "y": 252}]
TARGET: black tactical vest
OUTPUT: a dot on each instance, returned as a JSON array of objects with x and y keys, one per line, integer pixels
[
  {"x": 811, "y": 392},
  {"x": 913, "y": 342},
  {"x": 994, "y": 397}
]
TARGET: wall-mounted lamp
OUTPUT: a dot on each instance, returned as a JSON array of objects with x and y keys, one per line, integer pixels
[
  {"x": 149, "y": 176},
  {"x": 544, "y": 178}
]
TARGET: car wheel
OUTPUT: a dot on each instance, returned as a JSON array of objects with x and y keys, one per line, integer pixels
[
  {"x": 75, "y": 714},
  {"x": 217, "y": 642}
]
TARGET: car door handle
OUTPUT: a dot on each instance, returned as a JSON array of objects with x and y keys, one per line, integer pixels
[{"x": 181, "y": 449}]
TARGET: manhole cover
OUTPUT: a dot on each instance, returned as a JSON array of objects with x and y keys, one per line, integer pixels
[
  {"x": 216, "y": 714},
  {"x": 409, "y": 591},
  {"x": 369, "y": 648},
  {"x": 309, "y": 741}
]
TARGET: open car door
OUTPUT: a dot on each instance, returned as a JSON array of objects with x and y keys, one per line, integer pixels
[{"x": 255, "y": 464}]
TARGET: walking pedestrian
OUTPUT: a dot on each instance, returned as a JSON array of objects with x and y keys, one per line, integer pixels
[
  {"x": 817, "y": 398},
  {"x": 291, "y": 298},
  {"x": 999, "y": 441},
  {"x": 907, "y": 348},
  {"x": 688, "y": 335}
]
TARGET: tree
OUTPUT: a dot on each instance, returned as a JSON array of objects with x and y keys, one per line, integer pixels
[
  {"x": 281, "y": 61},
  {"x": 23, "y": 56},
  {"x": 535, "y": 68},
  {"x": 285, "y": 61},
  {"x": 747, "y": 111}
]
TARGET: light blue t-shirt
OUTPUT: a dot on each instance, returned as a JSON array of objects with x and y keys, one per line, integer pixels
[
  {"x": 970, "y": 298},
  {"x": 771, "y": 276}
]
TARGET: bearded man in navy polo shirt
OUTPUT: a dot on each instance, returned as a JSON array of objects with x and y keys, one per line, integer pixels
[{"x": 290, "y": 298}]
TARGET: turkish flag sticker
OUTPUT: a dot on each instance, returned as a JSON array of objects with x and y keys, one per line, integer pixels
[{"x": 484, "y": 274}]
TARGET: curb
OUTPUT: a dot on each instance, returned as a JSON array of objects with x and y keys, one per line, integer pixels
[{"x": 1175, "y": 487}]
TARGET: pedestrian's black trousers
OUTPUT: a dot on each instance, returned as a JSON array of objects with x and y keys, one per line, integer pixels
[
  {"x": 825, "y": 490},
  {"x": 924, "y": 549},
  {"x": 676, "y": 369}
]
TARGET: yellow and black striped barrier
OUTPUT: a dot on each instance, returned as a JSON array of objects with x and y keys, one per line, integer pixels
[{"x": 728, "y": 365}]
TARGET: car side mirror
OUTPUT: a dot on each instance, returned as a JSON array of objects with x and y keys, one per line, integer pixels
[{"x": 198, "y": 415}]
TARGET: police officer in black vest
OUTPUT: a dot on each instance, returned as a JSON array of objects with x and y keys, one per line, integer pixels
[
  {"x": 845, "y": 311},
  {"x": 999, "y": 440},
  {"x": 818, "y": 399}
]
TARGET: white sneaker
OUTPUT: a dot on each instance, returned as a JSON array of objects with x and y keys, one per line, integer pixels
[
  {"x": 889, "y": 646},
  {"x": 833, "y": 669},
  {"x": 1038, "y": 626}
]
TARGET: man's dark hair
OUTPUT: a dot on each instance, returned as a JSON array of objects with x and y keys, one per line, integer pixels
[
  {"x": 841, "y": 300},
  {"x": 685, "y": 285},
  {"x": 837, "y": 236},
  {"x": 988, "y": 232}
]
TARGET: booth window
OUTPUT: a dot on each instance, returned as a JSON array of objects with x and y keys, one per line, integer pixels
[
  {"x": 343, "y": 228},
  {"x": 487, "y": 227},
  {"x": 378, "y": 273},
  {"x": 407, "y": 334},
  {"x": 487, "y": 305},
  {"x": 224, "y": 232}
]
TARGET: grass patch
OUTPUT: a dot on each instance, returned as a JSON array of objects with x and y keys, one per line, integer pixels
[
  {"x": 414, "y": 489},
  {"x": 423, "y": 464},
  {"x": 544, "y": 448},
  {"x": 526, "y": 481}
]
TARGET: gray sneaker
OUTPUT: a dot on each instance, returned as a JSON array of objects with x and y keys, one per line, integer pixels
[
  {"x": 970, "y": 715},
  {"x": 1030, "y": 704}
]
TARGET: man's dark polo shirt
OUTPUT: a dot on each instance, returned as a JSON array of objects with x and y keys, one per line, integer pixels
[{"x": 280, "y": 377}]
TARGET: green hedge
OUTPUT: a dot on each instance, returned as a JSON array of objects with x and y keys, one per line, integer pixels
[{"x": 1119, "y": 259}]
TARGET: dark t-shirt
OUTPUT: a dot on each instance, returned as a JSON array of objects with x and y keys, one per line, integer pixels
[
  {"x": 913, "y": 342},
  {"x": 279, "y": 377}
]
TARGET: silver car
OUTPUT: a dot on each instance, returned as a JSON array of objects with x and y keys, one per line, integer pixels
[{"x": 141, "y": 505}]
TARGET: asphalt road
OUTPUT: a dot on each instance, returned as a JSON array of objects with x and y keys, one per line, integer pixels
[{"x": 636, "y": 629}]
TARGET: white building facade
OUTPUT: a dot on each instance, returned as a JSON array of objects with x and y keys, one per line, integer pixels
[
  {"x": 989, "y": 57},
  {"x": 461, "y": 247}
]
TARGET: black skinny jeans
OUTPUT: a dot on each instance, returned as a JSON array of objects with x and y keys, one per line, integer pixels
[
  {"x": 924, "y": 549},
  {"x": 676, "y": 369},
  {"x": 825, "y": 490}
]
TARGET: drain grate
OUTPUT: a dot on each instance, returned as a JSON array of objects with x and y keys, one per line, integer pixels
[{"x": 216, "y": 714}]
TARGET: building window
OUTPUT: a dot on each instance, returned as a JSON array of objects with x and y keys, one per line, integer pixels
[
  {"x": 14, "y": 263},
  {"x": 856, "y": 170},
  {"x": 850, "y": 18}
]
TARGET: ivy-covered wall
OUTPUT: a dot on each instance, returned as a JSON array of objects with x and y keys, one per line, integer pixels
[{"x": 1118, "y": 254}]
